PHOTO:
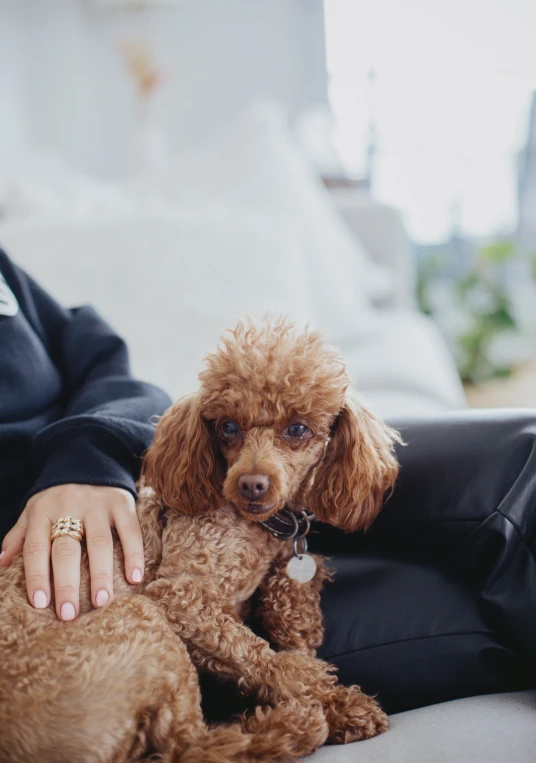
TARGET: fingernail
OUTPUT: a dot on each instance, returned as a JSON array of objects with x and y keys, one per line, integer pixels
[
  {"x": 39, "y": 599},
  {"x": 3, "y": 553},
  {"x": 136, "y": 575},
  {"x": 67, "y": 611},
  {"x": 102, "y": 597}
]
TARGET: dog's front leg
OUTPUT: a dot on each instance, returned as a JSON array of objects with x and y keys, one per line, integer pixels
[
  {"x": 291, "y": 616},
  {"x": 290, "y": 611},
  {"x": 220, "y": 642}
]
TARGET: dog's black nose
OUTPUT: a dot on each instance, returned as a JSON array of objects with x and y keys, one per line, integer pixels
[{"x": 253, "y": 486}]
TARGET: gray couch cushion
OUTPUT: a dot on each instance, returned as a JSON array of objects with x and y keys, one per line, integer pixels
[{"x": 497, "y": 728}]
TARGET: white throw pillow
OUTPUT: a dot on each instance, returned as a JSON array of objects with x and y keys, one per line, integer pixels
[
  {"x": 169, "y": 284},
  {"x": 256, "y": 166},
  {"x": 46, "y": 185},
  {"x": 254, "y": 171}
]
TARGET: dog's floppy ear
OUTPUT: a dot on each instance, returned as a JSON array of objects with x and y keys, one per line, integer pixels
[
  {"x": 183, "y": 465},
  {"x": 358, "y": 468}
]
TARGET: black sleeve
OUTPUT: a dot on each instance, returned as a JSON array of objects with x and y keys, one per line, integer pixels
[{"x": 106, "y": 423}]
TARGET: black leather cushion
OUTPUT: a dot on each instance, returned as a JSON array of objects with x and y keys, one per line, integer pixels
[
  {"x": 411, "y": 633},
  {"x": 440, "y": 595}
]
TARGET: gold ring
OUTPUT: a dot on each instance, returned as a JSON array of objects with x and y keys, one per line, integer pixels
[{"x": 67, "y": 526}]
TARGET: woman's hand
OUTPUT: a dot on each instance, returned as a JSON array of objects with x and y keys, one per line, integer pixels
[{"x": 99, "y": 508}]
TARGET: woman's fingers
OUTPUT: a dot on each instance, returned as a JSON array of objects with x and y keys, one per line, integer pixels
[
  {"x": 14, "y": 540},
  {"x": 100, "y": 551},
  {"x": 98, "y": 508},
  {"x": 66, "y": 555},
  {"x": 129, "y": 531},
  {"x": 36, "y": 553}
]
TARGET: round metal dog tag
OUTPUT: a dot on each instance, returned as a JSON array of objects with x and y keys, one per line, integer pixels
[{"x": 301, "y": 568}]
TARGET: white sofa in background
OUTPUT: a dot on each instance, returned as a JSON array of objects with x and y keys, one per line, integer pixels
[
  {"x": 243, "y": 227},
  {"x": 169, "y": 283}
]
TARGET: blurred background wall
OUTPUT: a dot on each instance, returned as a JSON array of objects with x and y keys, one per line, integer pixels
[{"x": 63, "y": 81}]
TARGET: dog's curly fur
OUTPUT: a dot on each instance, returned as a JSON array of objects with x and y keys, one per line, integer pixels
[{"x": 120, "y": 683}]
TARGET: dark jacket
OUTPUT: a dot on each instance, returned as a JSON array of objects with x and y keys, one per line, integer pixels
[{"x": 70, "y": 410}]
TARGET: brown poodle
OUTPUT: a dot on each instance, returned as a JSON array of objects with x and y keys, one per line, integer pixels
[{"x": 272, "y": 430}]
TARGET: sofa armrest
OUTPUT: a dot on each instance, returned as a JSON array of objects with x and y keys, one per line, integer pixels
[{"x": 381, "y": 230}]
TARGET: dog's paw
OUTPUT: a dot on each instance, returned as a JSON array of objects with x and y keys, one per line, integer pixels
[
  {"x": 352, "y": 715},
  {"x": 290, "y": 730},
  {"x": 297, "y": 675}
]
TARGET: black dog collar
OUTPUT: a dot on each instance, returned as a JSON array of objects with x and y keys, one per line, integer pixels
[{"x": 286, "y": 525}]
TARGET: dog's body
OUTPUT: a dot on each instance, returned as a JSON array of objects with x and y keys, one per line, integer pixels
[{"x": 120, "y": 683}]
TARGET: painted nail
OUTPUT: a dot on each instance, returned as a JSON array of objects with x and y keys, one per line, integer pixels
[
  {"x": 39, "y": 599},
  {"x": 136, "y": 575},
  {"x": 67, "y": 611},
  {"x": 102, "y": 597}
]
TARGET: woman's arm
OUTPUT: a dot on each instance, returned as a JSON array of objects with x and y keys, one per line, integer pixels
[{"x": 87, "y": 460}]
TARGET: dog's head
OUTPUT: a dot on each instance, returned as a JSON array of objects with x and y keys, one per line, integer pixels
[{"x": 274, "y": 424}]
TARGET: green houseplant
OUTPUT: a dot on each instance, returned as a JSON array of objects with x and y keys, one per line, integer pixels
[{"x": 487, "y": 311}]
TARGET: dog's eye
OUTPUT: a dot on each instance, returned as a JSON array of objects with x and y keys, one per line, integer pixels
[
  {"x": 297, "y": 430},
  {"x": 230, "y": 428}
]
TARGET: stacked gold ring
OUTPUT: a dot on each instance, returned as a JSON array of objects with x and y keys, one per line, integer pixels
[{"x": 67, "y": 526}]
